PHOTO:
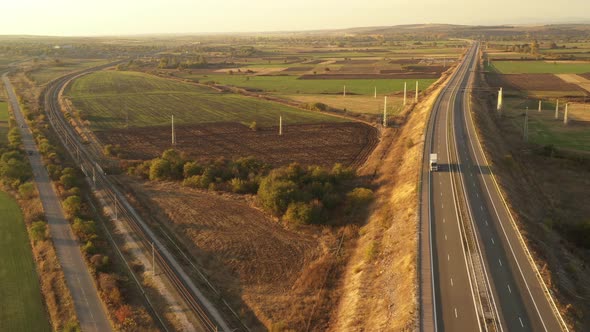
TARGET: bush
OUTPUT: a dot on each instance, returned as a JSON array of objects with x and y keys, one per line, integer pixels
[
  {"x": 72, "y": 206},
  {"x": 160, "y": 169},
  {"x": 253, "y": 126},
  {"x": 240, "y": 186},
  {"x": 358, "y": 199},
  {"x": 89, "y": 248},
  {"x": 26, "y": 190},
  {"x": 276, "y": 194},
  {"x": 39, "y": 231},
  {"x": 68, "y": 181},
  {"x": 301, "y": 213},
  {"x": 192, "y": 168},
  {"x": 84, "y": 230}
]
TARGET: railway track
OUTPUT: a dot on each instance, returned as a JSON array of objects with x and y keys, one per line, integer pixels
[{"x": 89, "y": 160}]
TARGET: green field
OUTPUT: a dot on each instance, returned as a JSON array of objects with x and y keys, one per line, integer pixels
[
  {"x": 49, "y": 72},
  {"x": 21, "y": 304},
  {"x": 4, "y": 117},
  {"x": 292, "y": 85},
  {"x": 544, "y": 129},
  {"x": 105, "y": 98},
  {"x": 540, "y": 67}
]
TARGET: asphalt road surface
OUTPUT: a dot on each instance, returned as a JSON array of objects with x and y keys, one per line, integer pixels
[
  {"x": 463, "y": 194},
  {"x": 89, "y": 309}
]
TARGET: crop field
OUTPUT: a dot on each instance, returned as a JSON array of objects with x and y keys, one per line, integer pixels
[
  {"x": 293, "y": 85},
  {"x": 541, "y": 67},
  {"x": 50, "y": 71},
  {"x": 106, "y": 99},
  {"x": 534, "y": 83},
  {"x": 357, "y": 104},
  {"x": 347, "y": 143},
  {"x": 21, "y": 304},
  {"x": 544, "y": 129},
  {"x": 4, "y": 117}
]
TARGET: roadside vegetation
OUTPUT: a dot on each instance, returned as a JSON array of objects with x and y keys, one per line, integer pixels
[
  {"x": 116, "y": 291},
  {"x": 299, "y": 195}
]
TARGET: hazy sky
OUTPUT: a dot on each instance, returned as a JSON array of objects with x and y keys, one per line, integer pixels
[{"x": 116, "y": 17}]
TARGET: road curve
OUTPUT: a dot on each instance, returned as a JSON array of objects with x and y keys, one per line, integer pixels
[
  {"x": 89, "y": 308},
  {"x": 504, "y": 291}
]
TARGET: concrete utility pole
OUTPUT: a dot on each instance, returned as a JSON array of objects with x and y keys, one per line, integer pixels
[
  {"x": 526, "y": 125},
  {"x": 280, "y": 125},
  {"x": 405, "y": 92},
  {"x": 375, "y": 92},
  {"x": 557, "y": 110},
  {"x": 416, "y": 92},
  {"x": 344, "y": 93},
  {"x": 500, "y": 100},
  {"x": 565, "y": 120},
  {"x": 540, "y": 106},
  {"x": 173, "y": 133},
  {"x": 385, "y": 113}
]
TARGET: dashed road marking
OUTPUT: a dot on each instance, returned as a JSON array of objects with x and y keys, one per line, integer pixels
[
  {"x": 444, "y": 220},
  {"x": 448, "y": 257},
  {"x": 493, "y": 241},
  {"x": 520, "y": 319},
  {"x": 500, "y": 262},
  {"x": 509, "y": 289},
  {"x": 445, "y": 237},
  {"x": 456, "y": 312},
  {"x": 452, "y": 282}
]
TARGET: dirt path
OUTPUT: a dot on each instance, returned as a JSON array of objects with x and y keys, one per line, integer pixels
[{"x": 576, "y": 79}]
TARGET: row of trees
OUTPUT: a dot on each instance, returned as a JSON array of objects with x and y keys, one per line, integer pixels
[
  {"x": 301, "y": 195},
  {"x": 175, "y": 62}
]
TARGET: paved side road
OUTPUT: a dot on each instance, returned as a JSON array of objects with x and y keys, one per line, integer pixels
[{"x": 91, "y": 313}]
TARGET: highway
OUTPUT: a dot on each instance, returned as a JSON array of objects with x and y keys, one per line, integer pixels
[
  {"x": 89, "y": 309},
  {"x": 476, "y": 273},
  {"x": 89, "y": 160}
]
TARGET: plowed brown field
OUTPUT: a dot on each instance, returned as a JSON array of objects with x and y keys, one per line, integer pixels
[
  {"x": 531, "y": 82},
  {"x": 347, "y": 143}
]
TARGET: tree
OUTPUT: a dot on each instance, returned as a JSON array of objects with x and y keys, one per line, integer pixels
[
  {"x": 68, "y": 181},
  {"x": 276, "y": 194},
  {"x": 192, "y": 168},
  {"x": 535, "y": 47}
]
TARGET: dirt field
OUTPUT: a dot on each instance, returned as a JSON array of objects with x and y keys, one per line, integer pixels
[
  {"x": 531, "y": 82},
  {"x": 276, "y": 279},
  {"x": 408, "y": 75},
  {"x": 318, "y": 144},
  {"x": 579, "y": 80}
]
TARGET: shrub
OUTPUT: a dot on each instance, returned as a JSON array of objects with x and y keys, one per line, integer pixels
[
  {"x": 358, "y": 199},
  {"x": 240, "y": 186},
  {"x": 68, "y": 181},
  {"x": 89, "y": 248},
  {"x": 276, "y": 194},
  {"x": 26, "y": 190},
  {"x": 72, "y": 205},
  {"x": 298, "y": 213},
  {"x": 84, "y": 230},
  {"x": 39, "y": 231},
  {"x": 192, "y": 168},
  {"x": 124, "y": 314},
  {"x": 160, "y": 169},
  {"x": 253, "y": 126}
]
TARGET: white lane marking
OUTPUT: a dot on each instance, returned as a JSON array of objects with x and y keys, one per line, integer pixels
[
  {"x": 520, "y": 319},
  {"x": 477, "y": 194},
  {"x": 493, "y": 241},
  {"x": 481, "y": 207},
  {"x": 455, "y": 312},
  {"x": 509, "y": 289},
  {"x": 442, "y": 205},
  {"x": 500, "y": 262},
  {"x": 445, "y": 237},
  {"x": 487, "y": 222},
  {"x": 448, "y": 257},
  {"x": 444, "y": 220},
  {"x": 452, "y": 282},
  {"x": 441, "y": 194}
]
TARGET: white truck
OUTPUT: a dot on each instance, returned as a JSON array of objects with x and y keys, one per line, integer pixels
[{"x": 433, "y": 162}]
